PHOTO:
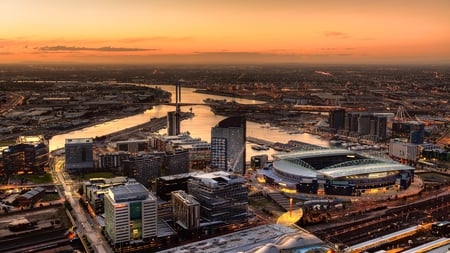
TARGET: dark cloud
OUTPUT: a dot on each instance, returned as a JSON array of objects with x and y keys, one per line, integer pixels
[
  {"x": 336, "y": 48},
  {"x": 99, "y": 49},
  {"x": 227, "y": 52},
  {"x": 336, "y": 34},
  {"x": 154, "y": 38}
]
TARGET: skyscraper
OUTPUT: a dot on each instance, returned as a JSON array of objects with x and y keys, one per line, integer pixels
[
  {"x": 228, "y": 145},
  {"x": 79, "y": 154},
  {"x": 173, "y": 123},
  {"x": 130, "y": 214}
]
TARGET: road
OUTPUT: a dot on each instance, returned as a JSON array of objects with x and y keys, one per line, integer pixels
[{"x": 84, "y": 222}]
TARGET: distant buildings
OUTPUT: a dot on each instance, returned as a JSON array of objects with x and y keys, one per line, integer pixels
[
  {"x": 413, "y": 131},
  {"x": 130, "y": 214},
  {"x": 79, "y": 154},
  {"x": 228, "y": 145},
  {"x": 29, "y": 156},
  {"x": 367, "y": 125}
]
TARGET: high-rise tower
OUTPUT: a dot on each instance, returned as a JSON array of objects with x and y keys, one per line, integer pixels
[{"x": 228, "y": 139}]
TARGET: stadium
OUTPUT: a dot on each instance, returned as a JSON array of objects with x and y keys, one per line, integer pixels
[{"x": 334, "y": 172}]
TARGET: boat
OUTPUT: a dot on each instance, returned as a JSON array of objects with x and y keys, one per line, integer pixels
[{"x": 259, "y": 147}]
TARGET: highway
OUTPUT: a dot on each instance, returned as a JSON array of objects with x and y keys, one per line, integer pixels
[{"x": 84, "y": 222}]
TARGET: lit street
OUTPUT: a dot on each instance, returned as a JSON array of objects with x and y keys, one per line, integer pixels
[{"x": 84, "y": 223}]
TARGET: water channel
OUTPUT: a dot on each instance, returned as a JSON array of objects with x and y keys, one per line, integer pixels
[{"x": 198, "y": 126}]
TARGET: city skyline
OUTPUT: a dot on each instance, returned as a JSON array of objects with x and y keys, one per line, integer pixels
[{"x": 136, "y": 32}]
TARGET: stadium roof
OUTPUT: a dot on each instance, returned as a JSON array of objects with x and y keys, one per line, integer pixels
[
  {"x": 312, "y": 153},
  {"x": 292, "y": 163},
  {"x": 363, "y": 169}
]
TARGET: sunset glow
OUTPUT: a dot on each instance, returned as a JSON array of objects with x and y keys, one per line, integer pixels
[{"x": 204, "y": 31}]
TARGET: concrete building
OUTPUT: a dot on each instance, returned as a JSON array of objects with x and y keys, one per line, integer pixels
[
  {"x": 223, "y": 197},
  {"x": 186, "y": 210},
  {"x": 24, "y": 158},
  {"x": 112, "y": 161},
  {"x": 175, "y": 162},
  {"x": 94, "y": 190},
  {"x": 167, "y": 184},
  {"x": 130, "y": 214},
  {"x": 258, "y": 161},
  {"x": 336, "y": 119},
  {"x": 173, "y": 123},
  {"x": 133, "y": 146},
  {"x": 404, "y": 151},
  {"x": 79, "y": 154},
  {"x": 144, "y": 167},
  {"x": 199, "y": 151},
  {"x": 413, "y": 131},
  {"x": 228, "y": 139}
]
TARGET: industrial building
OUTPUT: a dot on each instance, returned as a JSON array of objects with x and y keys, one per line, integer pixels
[
  {"x": 223, "y": 197},
  {"x": 79, "y": 154},
  {"x": 334, "y": 172},
  {"x": 228, "y": 139},
  {"x": 130, "y": 214}
]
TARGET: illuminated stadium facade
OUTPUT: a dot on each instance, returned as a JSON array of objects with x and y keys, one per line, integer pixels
[{"x": 335, "y": 172}]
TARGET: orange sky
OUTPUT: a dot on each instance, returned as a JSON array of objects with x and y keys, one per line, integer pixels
[{"x": 224, "y": 31}]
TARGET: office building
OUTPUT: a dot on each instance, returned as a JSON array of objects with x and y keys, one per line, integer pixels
[
  {"x": 228, "y": 145},
  {"x": 144, "y": 167},
  {"x": 186, "y": 210},
  {"x": 337, "y": 119},
  {"x": 258, "y": 161},
  {"x": 79, "y": 154},
  {"x": 223, "y": 197},
  {"x": 94, "y": 190},
  {"x": 413, "y": 131},
  {"x": 167, "y": 184},
  {"x": 29, "y": 156},
  {"x": 199, "y": 151},
  {"x": 130, "y": 214},
  {"x": 173, "y": 123},
  {"x": 112, "y": 161},
  {"x": 175, "y": 162}
]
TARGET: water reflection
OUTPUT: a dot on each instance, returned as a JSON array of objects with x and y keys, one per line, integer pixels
[{"x": 198, "y": 126}]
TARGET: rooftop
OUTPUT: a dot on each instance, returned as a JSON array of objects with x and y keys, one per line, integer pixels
[
  {"x": 237, "y": 241},
  {"x": 78, "y": 140},
  {"x": 130, "y": 192}
]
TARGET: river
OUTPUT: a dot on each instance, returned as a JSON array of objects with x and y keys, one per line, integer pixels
[{"x": 199, "y": 126}]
